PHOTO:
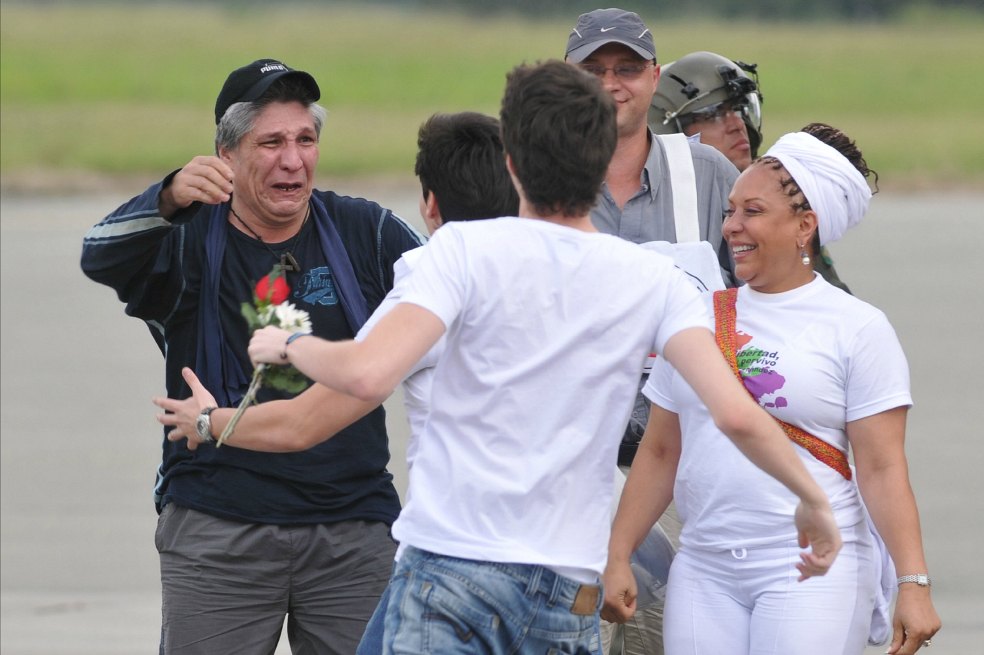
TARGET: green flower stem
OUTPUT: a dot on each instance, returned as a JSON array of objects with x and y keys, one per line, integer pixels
[{"x": 247, "y": 400}]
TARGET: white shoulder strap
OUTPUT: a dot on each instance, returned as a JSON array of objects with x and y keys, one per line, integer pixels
[{"x": 683, "y": 183}]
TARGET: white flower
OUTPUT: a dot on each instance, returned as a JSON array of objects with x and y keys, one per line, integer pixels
[
  {"x": 291, "y": 318},
  {"x": 265, "y": 315}
]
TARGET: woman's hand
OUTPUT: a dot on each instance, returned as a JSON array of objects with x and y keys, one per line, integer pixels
[
  {"x": 817, "y": 529},
  {"x": 915, "y": 620}
]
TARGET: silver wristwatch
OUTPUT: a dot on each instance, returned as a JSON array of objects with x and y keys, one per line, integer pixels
[
  {"x": 920, "y": 579},
  {"x": 203, "y": 425}
]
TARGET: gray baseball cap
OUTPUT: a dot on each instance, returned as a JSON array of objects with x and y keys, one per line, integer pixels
[{"x": 601, "y": 26}]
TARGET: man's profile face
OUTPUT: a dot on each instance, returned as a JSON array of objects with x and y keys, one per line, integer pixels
[
  {"x": 616, "y": 67},
  {"x": 274, "y": 164},
  {"x": 726, "y": 131}
]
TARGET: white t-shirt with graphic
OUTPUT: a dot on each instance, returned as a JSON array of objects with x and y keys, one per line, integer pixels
[
  {"x": 548, "y": 329},
  {"x": 815, "y": 357}
]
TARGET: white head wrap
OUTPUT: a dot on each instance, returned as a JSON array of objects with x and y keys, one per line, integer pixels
[{"x": 836, "y": 191}]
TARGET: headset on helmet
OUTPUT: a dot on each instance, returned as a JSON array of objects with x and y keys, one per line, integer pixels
[{"x": 698, "y": 83}]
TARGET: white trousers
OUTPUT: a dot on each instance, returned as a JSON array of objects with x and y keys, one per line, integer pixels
[{"x": 748, "y": 601}]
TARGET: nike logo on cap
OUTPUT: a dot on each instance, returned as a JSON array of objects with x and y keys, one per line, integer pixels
[{"x": 607, "y": 29}]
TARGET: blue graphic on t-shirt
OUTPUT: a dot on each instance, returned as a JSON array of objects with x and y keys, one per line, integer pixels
[{"x": 317, "y": 287}]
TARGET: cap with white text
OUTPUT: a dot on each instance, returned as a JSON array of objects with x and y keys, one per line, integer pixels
[{"x": 251, "y": 81}]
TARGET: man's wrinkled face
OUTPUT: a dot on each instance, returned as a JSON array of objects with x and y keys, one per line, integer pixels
[{"x": 274, "y": 164}]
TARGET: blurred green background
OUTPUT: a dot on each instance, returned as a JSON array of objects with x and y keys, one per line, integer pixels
[{"x": 129, "y": 88}]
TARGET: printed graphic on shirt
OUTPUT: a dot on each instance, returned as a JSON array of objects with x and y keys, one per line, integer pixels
[
  {"x": 758, "y": 372},
  {"x": 317, "y": 287}
]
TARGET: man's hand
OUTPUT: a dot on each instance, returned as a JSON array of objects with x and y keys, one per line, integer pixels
[
  {"x": 620, "y": 592},
  {"x": 205, "y": 179},
  {"x": 184, "y": 413},
  {"x": 817, "y": 528},
  {"x": 269, "y": 346}
]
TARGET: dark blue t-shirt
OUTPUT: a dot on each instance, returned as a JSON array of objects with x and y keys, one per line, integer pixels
[{"x": 156, "y": 268}]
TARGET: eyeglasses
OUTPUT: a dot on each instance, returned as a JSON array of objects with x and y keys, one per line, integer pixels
[
  {"x": 627, "y": 72},
  {"x": 719, "y": 112}
]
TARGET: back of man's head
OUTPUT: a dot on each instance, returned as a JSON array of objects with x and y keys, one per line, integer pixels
[
  {"x": 460, "y": 160},
  {"x": 558, "y": 128}
]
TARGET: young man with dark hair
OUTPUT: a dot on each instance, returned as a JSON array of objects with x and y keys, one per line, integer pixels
[
  {"x": 654, "y": 187},
  {"x": 461, "y": 170},
  {"x": 508, "y": 511}
]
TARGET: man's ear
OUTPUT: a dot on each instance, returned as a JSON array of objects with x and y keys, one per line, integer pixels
[
  {"x": 432, "y": 212},
  {"x": 431, "y": 207}
]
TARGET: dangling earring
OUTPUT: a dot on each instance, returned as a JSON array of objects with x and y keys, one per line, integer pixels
[{"x": 805, "y": 258}]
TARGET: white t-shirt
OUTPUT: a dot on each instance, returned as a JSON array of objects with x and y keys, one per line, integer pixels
[
  {"x": 815, "y": 357},
  {"x": 547, "y": 331},
  {"x": 417, "y": 383}
]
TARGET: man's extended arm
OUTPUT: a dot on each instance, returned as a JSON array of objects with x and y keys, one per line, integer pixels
[{"x": 276, "y": 426}]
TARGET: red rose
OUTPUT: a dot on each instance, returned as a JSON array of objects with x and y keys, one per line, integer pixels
[{"x": 272, "y": 289}]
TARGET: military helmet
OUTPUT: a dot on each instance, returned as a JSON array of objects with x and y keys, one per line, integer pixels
[{"x": 699, "y": 83}]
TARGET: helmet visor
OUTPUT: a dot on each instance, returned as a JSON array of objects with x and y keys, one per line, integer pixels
[{"x": 747, "y": 107}]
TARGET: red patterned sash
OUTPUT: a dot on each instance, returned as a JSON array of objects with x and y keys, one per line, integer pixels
[{"x": 725, "y": 318}]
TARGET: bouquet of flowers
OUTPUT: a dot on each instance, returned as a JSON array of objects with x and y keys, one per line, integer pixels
[{"x": 269, "y": 307}]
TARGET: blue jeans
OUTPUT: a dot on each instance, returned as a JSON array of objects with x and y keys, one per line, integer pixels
[
  {"x": 444, "y": 605},
  {"x": 372, "y": 638}
]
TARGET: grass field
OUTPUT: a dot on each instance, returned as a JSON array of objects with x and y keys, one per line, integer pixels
[{"x": 119, "y": 89}]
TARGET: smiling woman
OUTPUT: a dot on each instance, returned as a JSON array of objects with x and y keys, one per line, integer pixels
[
  {"x": 767, "y": 232},
  {"x": 830, "y": 369}
]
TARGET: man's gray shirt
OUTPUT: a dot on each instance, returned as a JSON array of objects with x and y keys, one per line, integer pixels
[{"x": 648, "y": 215}]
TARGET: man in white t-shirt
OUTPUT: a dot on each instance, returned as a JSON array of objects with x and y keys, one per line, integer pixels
[{"x": 507, "y": 520}]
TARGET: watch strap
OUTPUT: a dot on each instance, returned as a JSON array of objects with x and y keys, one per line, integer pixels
[
  {"x": 921, "y": 579},
  {"x": 203, "y": 426}
]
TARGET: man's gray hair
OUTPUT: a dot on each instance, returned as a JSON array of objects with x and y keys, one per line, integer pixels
[{"x": 239, "y": 119}]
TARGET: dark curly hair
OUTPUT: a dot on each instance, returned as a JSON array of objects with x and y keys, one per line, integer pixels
[{"x": 844, "y": 145}]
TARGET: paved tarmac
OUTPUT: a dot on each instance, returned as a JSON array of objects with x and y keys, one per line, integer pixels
[{"x": 79, "y": 444}]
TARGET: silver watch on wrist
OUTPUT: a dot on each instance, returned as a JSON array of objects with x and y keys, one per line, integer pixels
[
  {"x": 203, "y": 425},
  {"x": 921, "y": 579}
]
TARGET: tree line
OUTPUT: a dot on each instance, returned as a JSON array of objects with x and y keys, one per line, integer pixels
[{"x": 871, "y": 10}]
